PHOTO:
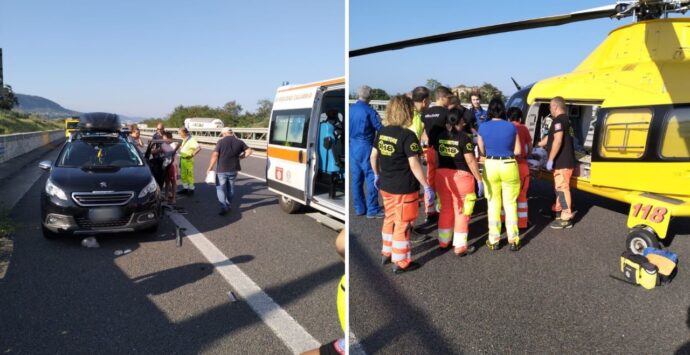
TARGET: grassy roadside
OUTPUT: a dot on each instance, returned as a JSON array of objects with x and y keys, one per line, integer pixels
[
  {"x": 7, "y": 228},
  {"x": 15, "y": 122},
  {"x": 6, "y": 224}
]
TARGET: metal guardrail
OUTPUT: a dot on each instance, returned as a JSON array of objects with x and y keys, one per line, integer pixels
[
  {"x": 255, "y": 138},
  {"x": 380, "y": 106}
]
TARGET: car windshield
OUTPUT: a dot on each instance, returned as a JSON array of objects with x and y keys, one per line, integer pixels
[
  {"x": 99, "y": 153},
  {"x": 72, "y": 125}
]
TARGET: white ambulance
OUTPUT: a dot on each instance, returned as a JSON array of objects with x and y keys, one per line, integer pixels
[{"x": 305, "y": 158}]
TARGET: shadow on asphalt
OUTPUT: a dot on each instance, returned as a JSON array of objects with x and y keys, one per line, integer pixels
[
  {"x": 247, "y": 197},
  {"x": 416, "y": 318},
  {"x": 68, "y": 299},
  {"x": 685, "y": 348},
  {"x": 109, "y": 299}
]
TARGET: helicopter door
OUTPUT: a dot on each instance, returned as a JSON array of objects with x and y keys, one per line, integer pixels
[{"x": 532, "y": 120}]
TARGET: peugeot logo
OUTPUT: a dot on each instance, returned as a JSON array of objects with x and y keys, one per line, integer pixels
[{"x": 103, "y": 184}]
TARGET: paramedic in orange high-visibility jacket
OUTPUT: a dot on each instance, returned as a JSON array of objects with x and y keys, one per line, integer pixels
[
  {"x": 398, "y": 174},
  {"x": 515, "y": 115},
  {"x": 434, "y": 119},
  {"x": 456, "y": 173}
]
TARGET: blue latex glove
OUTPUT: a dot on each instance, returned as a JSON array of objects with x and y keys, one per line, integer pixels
[
  {"x": 480, "y": 189},
  {"x": 549, "y": 165},
  {"x": 429, "y": 196},
  {"x": 377, "y": 181}
]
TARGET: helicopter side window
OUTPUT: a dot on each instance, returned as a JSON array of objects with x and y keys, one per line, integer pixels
[
  {"x": 625, "y": 133},
  {"x": 675, "y": 143}
]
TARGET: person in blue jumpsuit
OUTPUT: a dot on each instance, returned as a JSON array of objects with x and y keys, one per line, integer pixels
[
  {"x": 364, "y": 123},
  {"x": 480, "y": 113}
]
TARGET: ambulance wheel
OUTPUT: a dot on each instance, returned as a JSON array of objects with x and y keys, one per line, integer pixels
[
  {"x": 640, "y": 238},
  {"x": 289, "y": 205}
]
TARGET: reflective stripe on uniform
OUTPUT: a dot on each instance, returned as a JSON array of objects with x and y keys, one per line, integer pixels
[
  {"x": 387, "y": 248},
  {"x": 444, "y": 236},
  {"x": 459, "y": 240}
]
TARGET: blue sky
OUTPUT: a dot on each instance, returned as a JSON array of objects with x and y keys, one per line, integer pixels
[
  {"x": 528, "y": 56},
  {"x": 143, "y": 58}
]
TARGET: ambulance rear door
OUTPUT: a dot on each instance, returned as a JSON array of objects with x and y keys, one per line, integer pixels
[{"x": 288, "y": 142}]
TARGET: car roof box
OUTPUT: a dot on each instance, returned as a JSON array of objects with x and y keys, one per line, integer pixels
[{"x": 100, "y": 121}]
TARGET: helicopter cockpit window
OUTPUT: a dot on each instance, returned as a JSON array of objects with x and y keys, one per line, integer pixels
[
  {"x": 676, "y": 138},
  {"x": 625, "y": 133}
]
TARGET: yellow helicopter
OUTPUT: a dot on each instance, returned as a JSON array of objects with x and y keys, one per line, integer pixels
[{"x": 629, "y": 104}]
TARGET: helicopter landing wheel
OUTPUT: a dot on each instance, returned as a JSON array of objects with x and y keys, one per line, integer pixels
[{"x": 640, "y": 238}]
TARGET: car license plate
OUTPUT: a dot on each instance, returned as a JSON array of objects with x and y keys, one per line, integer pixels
[{"x": 104, "y": 214}]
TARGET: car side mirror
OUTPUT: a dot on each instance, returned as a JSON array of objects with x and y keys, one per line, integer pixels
[{"x": 45, "y": 165}]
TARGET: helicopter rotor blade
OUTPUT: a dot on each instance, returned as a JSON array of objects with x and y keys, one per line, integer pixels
[
  {"x": 591, "y": 14},
  {"x": 517, "y": 86}
]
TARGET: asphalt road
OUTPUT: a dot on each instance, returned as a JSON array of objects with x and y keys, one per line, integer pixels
[
  {"x": 553, "y": 296},
  {"x": 59, "y": 297}
]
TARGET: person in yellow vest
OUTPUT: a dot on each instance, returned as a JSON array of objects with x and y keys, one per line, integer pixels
[
  {"x": 188, "y": 150},
  {"x": 336, "y": 347},
  {"x": 499, "y": 144},
  {"x": 420, "y": 98}
]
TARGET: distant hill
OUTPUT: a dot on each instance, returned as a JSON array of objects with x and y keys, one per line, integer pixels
[{"x": 42, "y": 106}]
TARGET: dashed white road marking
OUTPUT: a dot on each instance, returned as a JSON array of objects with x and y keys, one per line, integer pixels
[{"x": 283, "y": 325}]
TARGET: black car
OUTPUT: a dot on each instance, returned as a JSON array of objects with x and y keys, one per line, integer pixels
[{"x": 99, "y": 183}]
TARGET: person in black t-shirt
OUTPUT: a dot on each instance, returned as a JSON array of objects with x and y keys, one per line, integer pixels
[
  {"x": 398, "y": 174},
  {"x": 434, "y": 120},
  {"x": 560, "y": 144},
  {"x": 456, "y": 174},
  {"x": 470, "y": 122},
  {"x": 229, "y": 150}
]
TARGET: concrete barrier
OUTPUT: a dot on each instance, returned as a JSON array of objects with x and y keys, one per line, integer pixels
[{"x": 14, "y": 145}]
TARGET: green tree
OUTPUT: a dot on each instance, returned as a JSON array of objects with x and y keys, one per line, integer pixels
[
  {"x": 7, "y": 98},
  {"x": 263, "y": 110},
  {"x": 489, "y": 91},
  {"x": 233, "y": 108},
  {"x": 432, "y": 84},
  {"x": 379, "y": 94}
]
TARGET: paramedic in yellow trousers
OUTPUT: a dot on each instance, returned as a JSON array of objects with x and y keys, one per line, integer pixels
[
  {"x": 457, "y": 171},
  {"x": 188, "y": 150},
  {"x": 398, "y": 174},
  {"x": 499, "y": 145}
]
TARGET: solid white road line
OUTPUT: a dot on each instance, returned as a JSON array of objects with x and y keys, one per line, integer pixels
[
  {"x": 354, "y": 347},
  {"x": 283, "y": 325}
]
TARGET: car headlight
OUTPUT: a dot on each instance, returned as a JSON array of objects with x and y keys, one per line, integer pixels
[
  {"x": 53, "y": 190},
  {"x": 149, "y": 189}
]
